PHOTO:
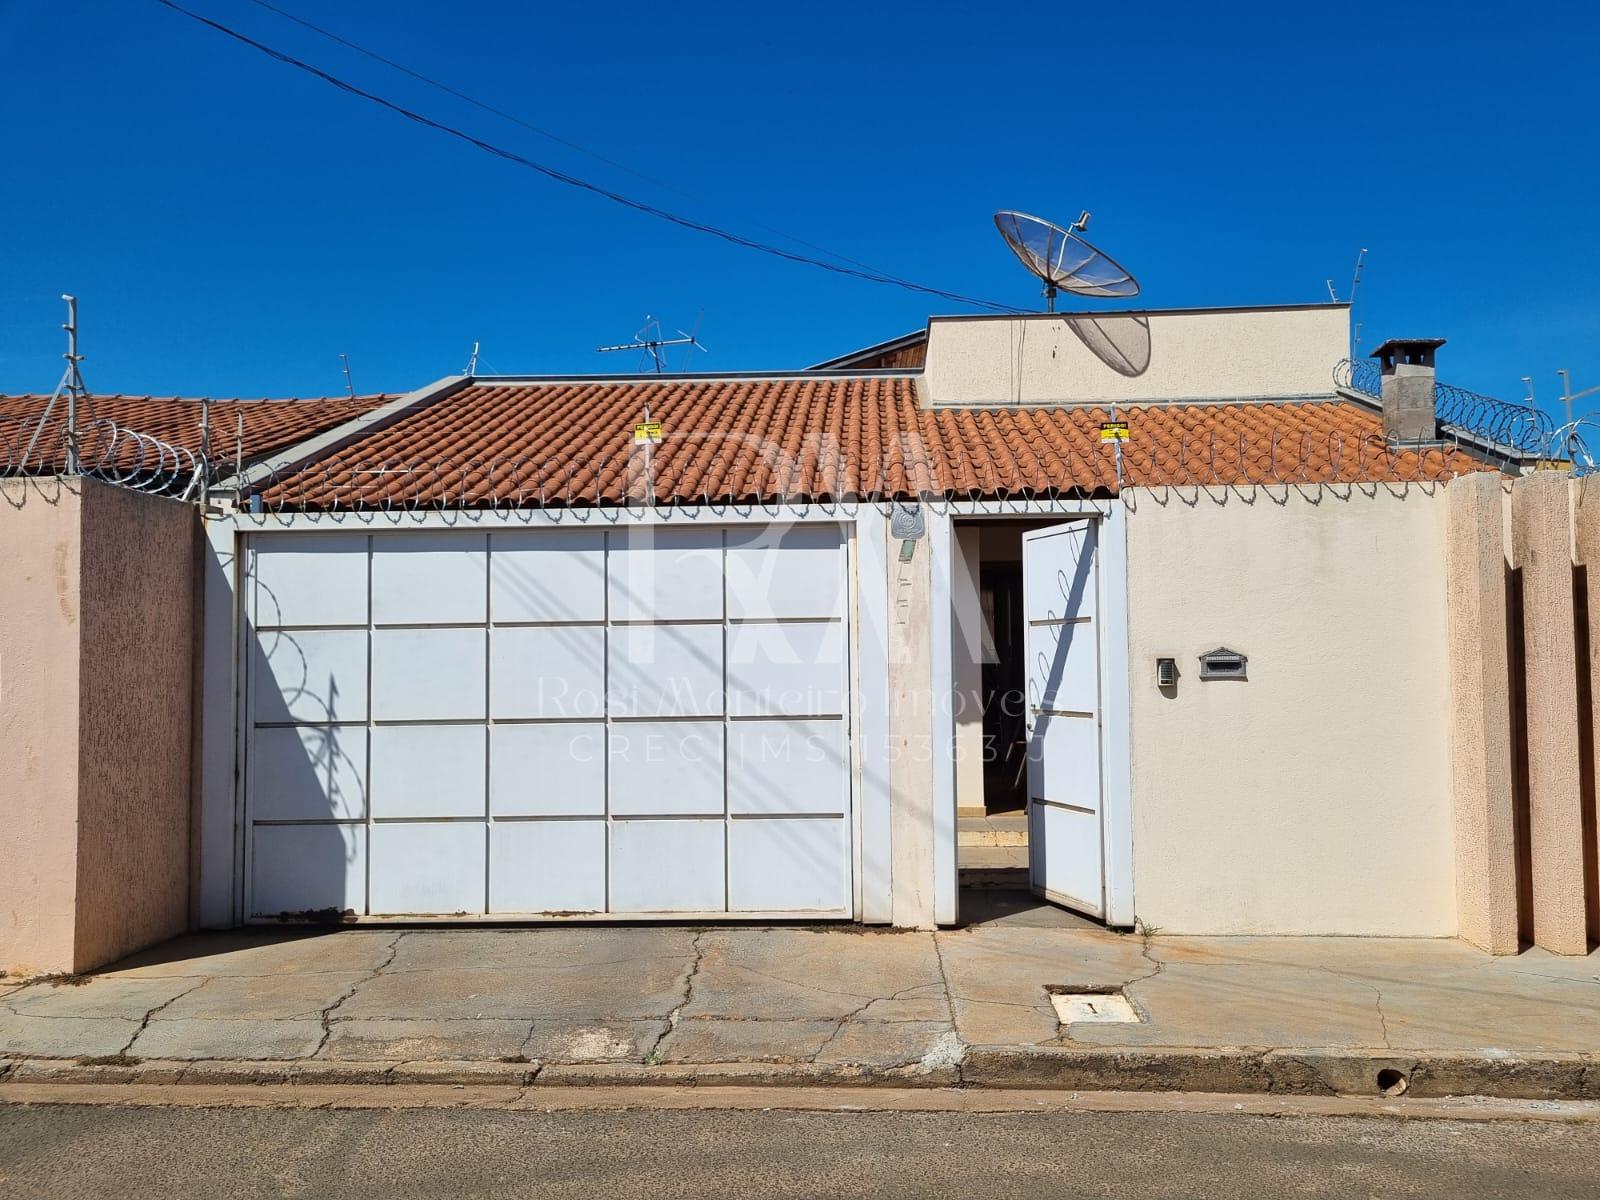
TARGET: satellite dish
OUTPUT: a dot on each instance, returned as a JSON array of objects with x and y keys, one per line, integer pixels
[{"x": 1062, "y": 259}]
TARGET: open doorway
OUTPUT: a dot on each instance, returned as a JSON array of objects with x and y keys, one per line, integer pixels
[
  {"x": 990, "y": 676},
  {"x": 1002, "y": 686},
  {"x": 1039, "y": 690}
]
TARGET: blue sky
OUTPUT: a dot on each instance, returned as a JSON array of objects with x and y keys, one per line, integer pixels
[{"x": 231, "y": 225}]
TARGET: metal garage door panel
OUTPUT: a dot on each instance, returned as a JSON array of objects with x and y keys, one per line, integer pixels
[
  {"x": 551, "y": 672},
  {"x": 658, "y": 839},
  {"x": 428, "y": 674},
  {"x": 667, "y": 865},
  {"x": 666, "y": 574},
  {"x": 428, "y": 867},
  {"x": 787, "y": 864},
  {"x": 428, "y": 770},
  {"x": 788, "y": 767},
  {"x": 666, "y": 671},
  {"x": 309, "y": 773},
  {"x": 429, "y": 578},
  {"x": 555, "y": 770},
  {"x": 547, "y": 866},
  {"x": 548, "y": 575},
  {"x": 667, "y": 767},
  {"x": 311, "y": 675},
  {"x": 786, "y": 669},
  {"x": 308, "y": 869},
  {"x": 310, "y": 579},
  {"x": 793, "y": 572}
]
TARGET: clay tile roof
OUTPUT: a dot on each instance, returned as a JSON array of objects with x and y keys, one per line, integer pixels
[
  {"x": 269, "y": 425},
  {"x": 749, "y": 439}
]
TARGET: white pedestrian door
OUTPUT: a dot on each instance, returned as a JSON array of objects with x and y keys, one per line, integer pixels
[{"x": 1066, "y": 859}]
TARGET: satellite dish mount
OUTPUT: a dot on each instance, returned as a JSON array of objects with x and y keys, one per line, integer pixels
[{"x": 1050, "y": 285}]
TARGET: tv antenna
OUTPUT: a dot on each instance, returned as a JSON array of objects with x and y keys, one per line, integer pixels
[
  {"x": 472, "y": 360},
  {"x": 1062, "y": 259},
  {"x": 652, "y": 345},
  {"x": 1355, "y": 286},
  {"x": 1567, "y": 397},
  {"x": 71, "y": 386},
  {"x": 348, "y": 382}
]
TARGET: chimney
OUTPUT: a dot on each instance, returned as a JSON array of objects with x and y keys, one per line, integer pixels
[{"x": 1408, "y": 379}]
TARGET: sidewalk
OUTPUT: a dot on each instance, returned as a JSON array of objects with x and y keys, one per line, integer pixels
[{"x": 671, "y": 1004}]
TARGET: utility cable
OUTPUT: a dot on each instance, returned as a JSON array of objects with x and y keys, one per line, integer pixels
[
  {"x": 737, "y": 239},
  {"x": 542, "y": 132}
]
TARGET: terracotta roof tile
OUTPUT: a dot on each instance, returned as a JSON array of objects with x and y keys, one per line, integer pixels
[
  {"x": 749, "y": 440},
  {"x": 269, "y": 425}
]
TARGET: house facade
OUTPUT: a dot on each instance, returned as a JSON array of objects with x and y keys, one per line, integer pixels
[{"x": 741, "y": 647}]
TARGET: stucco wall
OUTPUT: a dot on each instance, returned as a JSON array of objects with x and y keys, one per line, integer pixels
[
  {"x": 1313, "y": 797},
  {"x": 1483, "y": 776},
  {"x": 97, "y": 621},
  {"x": 138, "y": 635},
  {"x": 910, "y": 744},
  {"x": 1127, "y": 357},
  {"x": 966, "y": 628},
  {"x": 39, "y": 622}
]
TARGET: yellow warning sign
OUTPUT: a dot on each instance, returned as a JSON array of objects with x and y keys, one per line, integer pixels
[
  {"x": 647, "y": 433},
  {"x": 1113, "y": 431}
]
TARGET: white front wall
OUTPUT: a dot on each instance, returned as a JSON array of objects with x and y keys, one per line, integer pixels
[{"x": 631, "y": 720}]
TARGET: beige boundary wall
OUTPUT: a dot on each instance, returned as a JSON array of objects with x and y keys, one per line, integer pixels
[
  {"x": 1525, "y": 632},
  {"x": 97, "y": 628},
  {"x": 1313, "y": 797},
  {"x": 1414, "y": 750},
  {"x": 1482, "y": 754},
  {"x": 1411, "y": 753}
]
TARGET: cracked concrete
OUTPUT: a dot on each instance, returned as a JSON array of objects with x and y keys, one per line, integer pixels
[
  {"x": 1377, "y": 1004},
  {"x": 326, "y": 1016},
  {"x": 149, "y": 1016},
  {"x": 673, "y": 1017},
  {"x": 611, "y": 1003}
]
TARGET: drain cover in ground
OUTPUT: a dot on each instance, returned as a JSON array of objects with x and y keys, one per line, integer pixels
[{"x": 1075, "y": 1007}]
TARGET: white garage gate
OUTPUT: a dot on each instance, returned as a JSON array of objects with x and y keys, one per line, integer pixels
[{"x": 547, "y": 722}]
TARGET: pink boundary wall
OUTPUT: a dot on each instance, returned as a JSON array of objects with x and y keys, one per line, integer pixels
[{"x": 97, "y": 621}]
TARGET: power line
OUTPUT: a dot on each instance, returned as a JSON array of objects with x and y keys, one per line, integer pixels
[
  {"x": 460, "y": 95},
  {"x": 544, "y": 133},
  {"x": 868, "y": 274}
]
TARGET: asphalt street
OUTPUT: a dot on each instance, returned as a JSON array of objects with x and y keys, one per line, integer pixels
[{"x": 63, "y": 1151}]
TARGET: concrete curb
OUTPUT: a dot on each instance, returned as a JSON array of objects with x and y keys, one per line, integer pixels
[
  {"x": 1308, "y": 1072},
  {"x": 1235, "y": 1070},
  {"x": 740, "y": 1074},
  {"x": 474, "y": 1072}
]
